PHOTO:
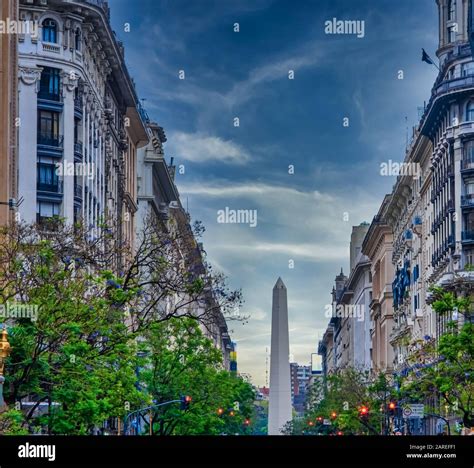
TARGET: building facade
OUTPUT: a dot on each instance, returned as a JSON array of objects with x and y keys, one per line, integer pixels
[
  {"x": 81, "y": 122},
  {"x": 8, "y": 113},
  {"x": 378, "y": 245},
  {"x": 159, "y": 203},
  {"x": 300, "y": 376},
  {"x": 346, "y": 341}
]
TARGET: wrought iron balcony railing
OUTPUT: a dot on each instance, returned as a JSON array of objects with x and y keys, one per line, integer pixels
[{"x": 50, "y": 139}]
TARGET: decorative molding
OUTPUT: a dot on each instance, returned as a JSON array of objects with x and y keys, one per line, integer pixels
[{"x": 30, "y": 75}]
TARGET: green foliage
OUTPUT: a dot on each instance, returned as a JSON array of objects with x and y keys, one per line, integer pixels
[
  {"x": 347, "y": 391},
  {"x": 11, "y": 423},
  {"x": 182, "y": 361},
  {"x": 447, "y": 372}
]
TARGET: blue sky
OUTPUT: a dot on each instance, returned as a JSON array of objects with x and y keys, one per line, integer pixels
[{"x": 283, "y": 122}]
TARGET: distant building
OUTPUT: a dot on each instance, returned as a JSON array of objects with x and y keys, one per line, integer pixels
[
  {"x": 263, "y": 393},
  {"x": 346, "y": 341},
  {"x": 378, "y": 247},
  {"x": 300, "y": 376}
]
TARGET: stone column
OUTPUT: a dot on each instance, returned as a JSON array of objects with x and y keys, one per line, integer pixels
[
  {"x": 28, "y": 128},
  {"x": 70, "y": 81}
]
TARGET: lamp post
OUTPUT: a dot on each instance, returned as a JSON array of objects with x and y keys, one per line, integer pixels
[{"x": 5, "y": 350}]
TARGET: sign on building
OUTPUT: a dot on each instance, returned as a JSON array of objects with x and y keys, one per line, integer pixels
[{"x": 414, "y": 410}]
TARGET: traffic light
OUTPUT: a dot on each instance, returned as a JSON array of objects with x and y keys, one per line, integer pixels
[
  {"x": 391, "y": 408},
  {"x": 185, "y": 401},
  {"x": 320, "y": 419},
  {"x": 364, "y": 412},
  {"x": 333, "y": 415}
]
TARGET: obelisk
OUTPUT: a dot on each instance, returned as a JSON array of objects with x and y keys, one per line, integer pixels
[{"x": 279, "y": 411}]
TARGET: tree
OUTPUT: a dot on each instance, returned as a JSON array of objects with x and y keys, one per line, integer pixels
[
  {"x": 348, "y": 391},
  {"x": 79, "y": 355},
  {"x": 443, "y": 369},
  {"x": 180, "y": 360}
]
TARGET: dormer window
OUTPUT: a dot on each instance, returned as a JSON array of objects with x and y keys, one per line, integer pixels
[{"x": 50, "y": 31}]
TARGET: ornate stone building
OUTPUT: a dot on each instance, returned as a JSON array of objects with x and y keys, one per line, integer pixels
[
  {"x": 159, "y": 200},
  {"x": 79, "y": 110},
  {"x": 378, "y": 246},
  {"x": 8, "y": 112}
]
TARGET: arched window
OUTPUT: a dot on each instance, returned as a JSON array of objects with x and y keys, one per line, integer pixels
[
  {"x": 50, "y": 31},
  {"x": 78, "y": 40},
  {"x": 470, "y": 111}
]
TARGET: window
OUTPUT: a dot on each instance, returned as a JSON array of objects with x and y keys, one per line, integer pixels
[
  {"x": 470, "y": 111},
  {"x": 50, "y": 84},
  {"x": 469, "y": 221},
  {"x": 47, "y": 177},
  {"x": 470, "y": 187},
  {"x": 469, "y": 151},
  {"x": 48, "y": 123},
  {"x": 451, "y": 34},
  {"x": 452, "y": 10},
  {"x": 50, "y": 31},
  {"x": 77, "y": 40},
  {"x": 468, "y": 69},
  {"x": 47, "y": 210}
]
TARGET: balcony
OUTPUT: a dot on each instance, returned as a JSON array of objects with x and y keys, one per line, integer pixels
[
  {"x": 78, "y": 104},
  {"x": 78, "y": 192},
  {"x": 467, "y": 237},
  {"x": 54, "y": 187},
  {"x": 467, "y": 166},
  {"x": 467, "y": 201},
  {"x": 50, "y": 47},
  {"x": 78, "y": 148},
  {"x": 50, "y": 139},
  {"x": 49, "y": 223}
]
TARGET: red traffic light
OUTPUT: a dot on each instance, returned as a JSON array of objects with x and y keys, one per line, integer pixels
[
  {"x": 319, "y": 418},
  {"x": 364, "y": 410},
  {"x": 392, "y": 405}
]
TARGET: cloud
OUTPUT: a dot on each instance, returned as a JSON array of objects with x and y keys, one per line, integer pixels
[
  {"x": 199, "y": 148},
  {"x": 315, "y": 252},
  {"x": 246, "y": 190}
]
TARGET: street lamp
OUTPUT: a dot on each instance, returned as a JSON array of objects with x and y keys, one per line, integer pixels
[{"x": 5, "y": 350}]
